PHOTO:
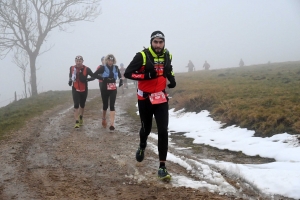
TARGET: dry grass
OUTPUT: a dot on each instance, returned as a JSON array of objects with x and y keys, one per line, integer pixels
[
  {"x": 16, "y": 114},
  {"x": 264, "y": 98}
]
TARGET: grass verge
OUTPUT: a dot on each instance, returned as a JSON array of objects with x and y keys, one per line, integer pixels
[
  {"x": 15, "y": 115},
  {"x": 263, "y": 98}
]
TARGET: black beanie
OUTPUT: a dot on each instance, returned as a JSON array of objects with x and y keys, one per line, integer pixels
[{"x": 157, "y": 34}]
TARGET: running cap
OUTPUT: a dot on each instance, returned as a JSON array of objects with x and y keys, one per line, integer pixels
[
  {"x": 157, "y": 34},
  {"x": 78, "y": 58}
]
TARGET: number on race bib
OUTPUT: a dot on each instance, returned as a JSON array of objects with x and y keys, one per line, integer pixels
[
  {"x": 158, "y": 98},
  {"x": 111, "y": 86}
]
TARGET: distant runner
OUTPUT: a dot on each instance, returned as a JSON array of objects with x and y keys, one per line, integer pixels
[
  {"x": 122, "y": 71},
  {"x": 206, "y": 66},
  {"x": 110, "y": 73},
  {"x": 190, "y": 66},
  {"x": 100, "y": 75},
  {"x": 241, "y": 64},
  {"x": 78, "y": 78}
]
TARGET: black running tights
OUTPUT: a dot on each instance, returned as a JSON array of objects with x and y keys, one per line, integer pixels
[
  {"x": 79, "y": 98},
  {"x": 161, "y": 115},
  {"x": 111, "y": 95}
]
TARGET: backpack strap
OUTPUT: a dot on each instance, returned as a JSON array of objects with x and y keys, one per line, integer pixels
[
  {"x": 84, "y": 70},
  {"x": 144, "y": 57}
]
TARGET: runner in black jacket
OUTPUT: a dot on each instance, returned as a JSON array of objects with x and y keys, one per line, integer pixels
[{"x": 152, "y": 67}]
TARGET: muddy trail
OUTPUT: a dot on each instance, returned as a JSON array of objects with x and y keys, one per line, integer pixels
[{"x": 49, "y": 159}]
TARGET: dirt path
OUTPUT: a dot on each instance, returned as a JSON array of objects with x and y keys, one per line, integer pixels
[{"x": 49, "y": 159}]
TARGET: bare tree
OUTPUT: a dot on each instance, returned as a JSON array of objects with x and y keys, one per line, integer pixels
[
  {"x": 20, "y": 58},
  {"x": 25, "y": 24}
]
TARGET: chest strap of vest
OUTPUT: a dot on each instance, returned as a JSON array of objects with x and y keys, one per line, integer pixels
[{"x": 144, "y": 58}]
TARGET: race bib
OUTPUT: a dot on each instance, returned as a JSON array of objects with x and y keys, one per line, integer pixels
[
  {"x": 111, "y": 86},
  {"x": 158, "y": 98}
]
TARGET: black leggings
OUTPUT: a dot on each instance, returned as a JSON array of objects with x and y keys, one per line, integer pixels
[
  {"x": 79, "y": 98},
  {"x": 161, "y": 115},
  {"x": 100, "y": 87},
  {"x": 111, "y": 95}
]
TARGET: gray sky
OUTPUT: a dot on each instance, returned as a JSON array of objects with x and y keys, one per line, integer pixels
[{"x": 221, "y": 32}]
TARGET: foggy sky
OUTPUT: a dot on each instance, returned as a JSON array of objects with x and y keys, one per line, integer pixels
[{"x": 221, "y": 32}]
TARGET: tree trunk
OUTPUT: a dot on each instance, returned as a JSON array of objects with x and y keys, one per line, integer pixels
[
  {"x": 24, "y": 81},
  {"x": 33, "y": 75},
  {"x": 25, "y": 87}
]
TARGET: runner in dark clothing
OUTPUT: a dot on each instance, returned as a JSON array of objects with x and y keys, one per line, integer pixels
[
  {"x": 110, "y": 73},
  {"x": 152, "y": 67},
  {"x": 190, "y": 66},
  {"x": 206, "y": 66},
  {"x": 122, "y": 71},
  {"x": 100, "y": 75},
  {"x": 78, "y": 78},
  {"x": 241, "y": 63}
]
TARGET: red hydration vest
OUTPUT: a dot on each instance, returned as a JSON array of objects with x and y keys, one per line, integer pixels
[{"x": 78, "y": 85}]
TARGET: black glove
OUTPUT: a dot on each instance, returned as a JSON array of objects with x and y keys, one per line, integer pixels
[
  {"x": 150, "y": 75},
  {"x": 121, "y": 82},
  {"x": 70, "y": 83},
  {"x": 172, "y": 84},
  {"x": 99, "y": 77}
]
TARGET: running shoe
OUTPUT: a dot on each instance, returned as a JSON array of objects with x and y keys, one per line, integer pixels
[
  {"x": 80, "y": 121},
  {"x": 77, "y": 125},
  {"x": 163, "y": 174},
  {"x": 140, "y": 154}
]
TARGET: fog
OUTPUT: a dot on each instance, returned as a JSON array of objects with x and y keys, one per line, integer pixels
[{"x": 221, "y": 32}]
